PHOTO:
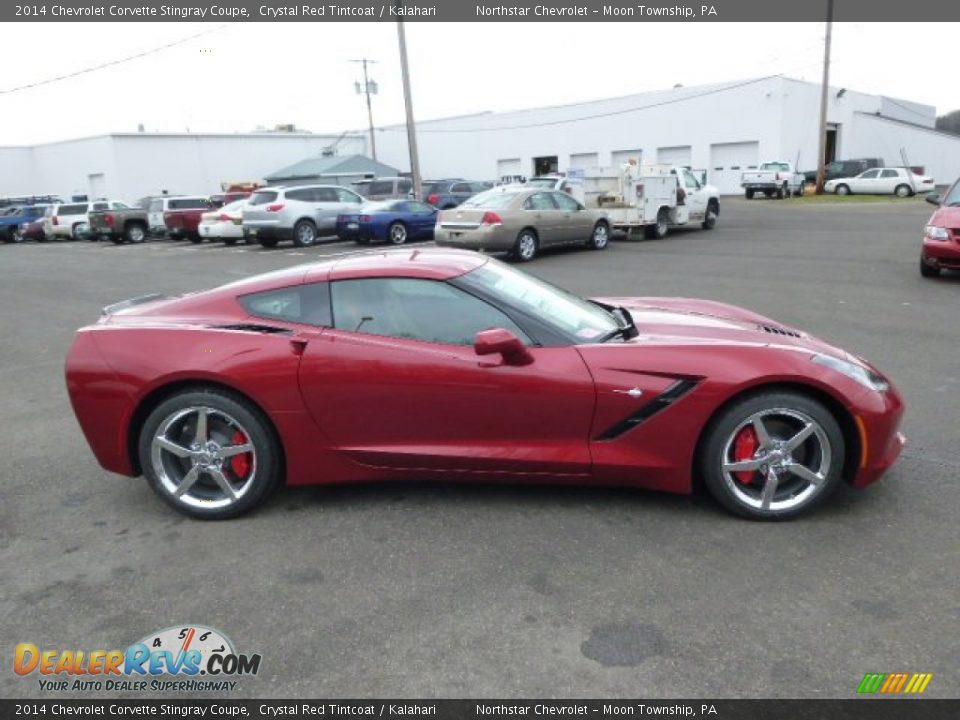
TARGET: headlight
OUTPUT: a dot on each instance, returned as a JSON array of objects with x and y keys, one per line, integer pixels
[
  {"x": 863, "y": 375},
  {"x": 936, "y": 233}
]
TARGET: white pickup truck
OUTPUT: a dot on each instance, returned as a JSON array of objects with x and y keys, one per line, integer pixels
[
  {"x": 776, "y": 177},
  {"x": 651, "y": 198}
]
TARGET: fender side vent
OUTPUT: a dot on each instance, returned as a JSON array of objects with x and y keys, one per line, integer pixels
[
  {"x": 255, "y": 328},
  {"x": 775, "y": 330}
]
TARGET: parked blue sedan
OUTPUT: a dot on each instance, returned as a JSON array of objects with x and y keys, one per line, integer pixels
[
  {"x": 14, "y": 221},
  {"x": 392, "y": 221}
]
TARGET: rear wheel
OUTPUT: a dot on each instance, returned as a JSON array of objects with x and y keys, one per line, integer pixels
[
  {"x": 195, "y": 239},
  {"x": 397, "y": 233},
  {"x": 903, "y": 191},
  {"x": 304, "y": 233},
  {"x": 230, "y": 241},
  {"x": 710, "y": 219},
  {"x": 268, "y": 242},
  {"x": 659, "y": 230},
  {"x": 526, "y": 247},
  {"x": 79, "y": 230},
  {"x": 209, "y": 454},
  {"x": 748, "y": 194},
  {"x": 772, "y": 456},
  {"x": 600, "y": 237},
  {"x": 928, "y": 271}
]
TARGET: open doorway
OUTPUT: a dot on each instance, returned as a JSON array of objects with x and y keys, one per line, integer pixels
[
  {"x": 832, "y": 144},
  {"x": 545, "y": 165}
]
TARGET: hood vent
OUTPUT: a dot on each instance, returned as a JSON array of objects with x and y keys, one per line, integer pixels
[
  {"x": 253, "y": 327},
  {"x": 775, "y": 330}
]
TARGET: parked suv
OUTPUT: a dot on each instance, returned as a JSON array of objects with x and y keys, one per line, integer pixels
[
  {"x": 301, "y": 213},
  {"x": 385, "y": 188},
  {"x": 176, "y": 215},
  {"x": 844, "y": 168},
  {"x": 446, "y": 194},
  {"x": 70, "y": 220}
]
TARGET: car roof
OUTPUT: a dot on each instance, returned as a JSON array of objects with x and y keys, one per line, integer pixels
[{"x": 426, "y": 263}]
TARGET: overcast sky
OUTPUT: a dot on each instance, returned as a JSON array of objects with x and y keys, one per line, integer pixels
[{"x": 243, "y": 75}]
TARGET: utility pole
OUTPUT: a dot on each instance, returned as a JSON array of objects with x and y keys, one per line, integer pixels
[
  {"x": 369, "y": 87},
  {"x": 408, "y": 103},
  {"x": 824, "y": 99}
]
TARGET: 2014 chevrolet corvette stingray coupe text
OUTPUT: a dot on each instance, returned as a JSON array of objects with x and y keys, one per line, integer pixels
[{"x": 441, "y": 363}]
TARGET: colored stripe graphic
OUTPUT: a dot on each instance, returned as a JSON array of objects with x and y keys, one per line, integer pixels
[{"x": 894, "y": 683}]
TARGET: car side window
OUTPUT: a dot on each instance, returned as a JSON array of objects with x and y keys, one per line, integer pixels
[
  {"x": 539, "y": 201},
  {"x": 427, "y": 310},
  {"x": 565, "y": 202},
  {"x": 302, "y": 194},
  {"x": 326, "y": 195},
  {"x": 307, "y": 304},
  {"x": 419, "y": 208},
  {"x": 889, "y": 174},
  {"x": 348, "y": 197},
  {"x": 100, "y": 206},
  {"x": 869, "y": 175},
  {"x": 690, "y": 181},
  {"x": 460, "y": 188}
]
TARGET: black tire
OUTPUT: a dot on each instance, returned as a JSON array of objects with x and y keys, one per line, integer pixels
[
  {"x": 928, "y": 271},
  {"x": 268, "y": 242},
  {"x": 720, "y": 435},
  {"x": 265, "y": 468},
  {"x": 801, "y": 190},
  {"x": 362, "y": 241},
  {"x": 713, "y": 212},
  {"x": 117, "y": 239},
  {"x": 304, "y": 233},
  {"x": 195, "y": 239},
  {"x": 768, "y": 193},
  {"x": 599, "y": 237},
  {"x": 903, "y": 191},
  {"x": 15, "y": 234},
  {"x": 134, "y": 233},
  {"x": 662, "y": 227},
  {"x": 842, "y": 189},
  {"x": 782, "y": 192},
  {"x": 230, "y": 241},
  {"x": 397, "y": 233},
  {"x": 526, "y": 246},
  {"x": 748, "y": 194}
]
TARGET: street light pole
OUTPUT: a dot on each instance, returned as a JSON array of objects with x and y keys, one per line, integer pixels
[
  {"x": 366, "y": 91},
  {"x": 408, "y": 103},
  {"x": 824, "y": 92}
]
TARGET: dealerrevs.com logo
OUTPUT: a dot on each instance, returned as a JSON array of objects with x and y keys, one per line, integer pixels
[{"x": 184, "y": 658}]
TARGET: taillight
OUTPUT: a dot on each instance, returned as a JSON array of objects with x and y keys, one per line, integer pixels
[
  {"x": 275, "y": 208},
  {"x": 490, "y": 218},
  {"x": 56, "y": 220},
  {"x": 778, "y": 177},
  {"x": 433, "y": 199},
  {"x": 365, "y": 218},
  {"x": 109, "y": 218}
]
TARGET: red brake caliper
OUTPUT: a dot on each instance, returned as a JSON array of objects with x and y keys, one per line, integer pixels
[
  {"x": 240, "y": 464},
  {"x": 744, "y": 446}
]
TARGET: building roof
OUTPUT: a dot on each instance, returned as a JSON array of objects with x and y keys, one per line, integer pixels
[{"x": 332, "y": 167}]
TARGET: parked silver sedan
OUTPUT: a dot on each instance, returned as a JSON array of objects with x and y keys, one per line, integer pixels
[
  {"x": 301, "y": 213},
  {"x": 521, "y": 221}
]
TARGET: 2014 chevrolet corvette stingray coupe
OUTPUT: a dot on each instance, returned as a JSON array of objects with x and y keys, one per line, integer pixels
[{"x": 441, "y": 363}]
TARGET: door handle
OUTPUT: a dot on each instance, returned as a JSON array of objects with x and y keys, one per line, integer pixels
[{"x": 297, "y": 346}]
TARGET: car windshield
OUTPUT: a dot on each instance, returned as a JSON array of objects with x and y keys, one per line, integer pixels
[
  {"x": 570, "y": 314},
  {"x": 952, "y": 198},
  {"x": 372, "y": 207},
  {"x": 545, "y": 182},
  {"x": 490, "y": 199}
]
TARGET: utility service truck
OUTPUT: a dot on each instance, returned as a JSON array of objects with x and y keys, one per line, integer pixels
[{"x": 651, "y": 198}]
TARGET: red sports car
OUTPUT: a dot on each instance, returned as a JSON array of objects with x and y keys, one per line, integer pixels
[
  {"x": 438, "y": 363},
  {"x": 941, "y": 236}
]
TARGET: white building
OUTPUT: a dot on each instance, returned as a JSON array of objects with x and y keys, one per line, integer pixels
[
  {"x": 128, "y": 166},
  {"x": 723, "y": 129}
]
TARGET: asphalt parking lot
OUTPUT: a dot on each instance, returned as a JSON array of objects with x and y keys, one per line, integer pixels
[{"x": 445, "y": 590}]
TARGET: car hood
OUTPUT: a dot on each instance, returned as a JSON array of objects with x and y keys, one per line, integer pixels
[
  {"x": 694, "y": 321},
  {"x": 946, "y": 217}
]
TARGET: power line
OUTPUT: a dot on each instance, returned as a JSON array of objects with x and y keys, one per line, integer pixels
[{"x": 111, "y": 63}]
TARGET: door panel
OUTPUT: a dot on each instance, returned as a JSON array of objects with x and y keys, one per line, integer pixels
[{"x": 408, "y": 404}]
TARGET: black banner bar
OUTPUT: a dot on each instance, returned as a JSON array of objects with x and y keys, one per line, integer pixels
[
  {"x": 853, "y": 709},
  {"x": 476, "y": 11}
]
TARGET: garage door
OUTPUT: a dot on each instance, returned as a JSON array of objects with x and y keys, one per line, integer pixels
[
  {"x": 727, "y": 163},
  {"x": 584, "y": 160},
  {"x": 509, "y": 168},
  {"x": 677, "y": 155},
  {"x": 619, "y": 157}
]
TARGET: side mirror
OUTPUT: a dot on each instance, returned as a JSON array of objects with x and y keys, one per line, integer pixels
[
  {"x": 501, "y": 341},
  {"x": 933, "y": 198}
]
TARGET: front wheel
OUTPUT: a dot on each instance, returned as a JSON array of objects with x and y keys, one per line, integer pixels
[
  {"x": 772, "y": 456},
  {"x": 230, "y": 241},
  {"x": 526, "y": 246},
  {"x": 710, "y": 219},
  {"x": 397, "y": 233},
  {"x": 903, "y": 191},
  {"x": 843, "y": 190},
  {"x": 800, "y": 190},
  {"x": 209, "y": 454},
  {"x": 748, "y": 194},
  {"x": 16, "y": 235},
  {"x": 304, "y": 234},
  {"x": 600, "y": 237},
  {"x": 928, "y": 271},
  {"x": 783, "y": 192}
]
